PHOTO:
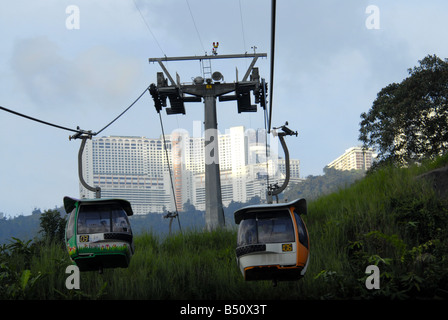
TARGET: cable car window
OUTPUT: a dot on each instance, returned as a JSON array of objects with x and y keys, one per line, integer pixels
[
  {"x": 102, "y": 218},
  {"x": 247, "y": 232},
  {"x": 303, "y": 236},
  {"x": 275, "y": 227},
  {"x": 120, "y": 221},
  {"x": 93, "y": 219},
  {"x": 268, "y": 227},
  {"x": 71, "y": 225}
]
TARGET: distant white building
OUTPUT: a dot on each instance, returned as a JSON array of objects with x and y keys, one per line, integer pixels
[
  {"x": 355, "y": 158},
  {"x": 136, "y": 168}
]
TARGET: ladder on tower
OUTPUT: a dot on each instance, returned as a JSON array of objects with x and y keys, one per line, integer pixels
[{"x": 206, "y": 68}]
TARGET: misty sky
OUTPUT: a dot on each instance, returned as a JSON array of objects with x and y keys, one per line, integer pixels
[{"x": 329, "y": 66}]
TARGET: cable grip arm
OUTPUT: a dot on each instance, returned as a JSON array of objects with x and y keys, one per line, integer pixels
[
  {"x": 84, "y": 135},
  {"x": 275, "y": 190}
]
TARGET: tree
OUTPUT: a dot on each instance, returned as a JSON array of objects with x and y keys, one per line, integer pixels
[
  {"x": 408, "y": 121},
  {"x": 52, "y": 225},
  {"x": 188, "y": 206}
]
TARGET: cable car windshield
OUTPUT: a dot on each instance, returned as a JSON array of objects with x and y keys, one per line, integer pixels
[
  {"x": 266, "y": 227},
  {"x": 102, "y": 218}
]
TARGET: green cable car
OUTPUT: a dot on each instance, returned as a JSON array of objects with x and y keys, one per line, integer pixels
[{"x": 98, "y": 233}]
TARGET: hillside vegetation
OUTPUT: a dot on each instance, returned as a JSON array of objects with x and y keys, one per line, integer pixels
[{"x": 392, "y": 218}]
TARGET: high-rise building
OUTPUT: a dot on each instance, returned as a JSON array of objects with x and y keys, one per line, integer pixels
[
  {"x": 136, "y": 168},
  {"x": 128, "y": 167},
  {"x": 355, "y": 158}
]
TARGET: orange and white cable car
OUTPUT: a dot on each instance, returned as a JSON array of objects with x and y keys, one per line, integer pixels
[{"x": 273, "y": 242}]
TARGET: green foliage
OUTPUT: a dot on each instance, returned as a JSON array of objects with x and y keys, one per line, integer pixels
[
  {"x": 390, "y": 219},
  {"x": 16, "y": 278},
  {"x": 317, "y": 186},
  {"x": 410, "y": 243},
  {"x": 52, "y": 226}
]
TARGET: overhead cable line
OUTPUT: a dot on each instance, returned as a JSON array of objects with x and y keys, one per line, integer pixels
[
  {"x": 266, "y": 145},
  {"x": 149, "y": 28},
  {"x": 194, "y": 22},
  {"x": 169, "y": 170},
  {"x": 78, "y": 130},
  {"x": 271, "y": 82},
  {"x": 242, "y": 26},
  {"x": 146, "y": 89},
  {"x": 38, "y": 120}
]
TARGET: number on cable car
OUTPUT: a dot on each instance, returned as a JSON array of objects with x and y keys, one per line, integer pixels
[
  {"x": 273, "y": 241},
  {"x": 98, "y": 233}
]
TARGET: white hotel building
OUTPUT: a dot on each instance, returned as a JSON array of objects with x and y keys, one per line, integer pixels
[
  {"x": 355, "y": 158},
  {"x": 136, "y": 168}
]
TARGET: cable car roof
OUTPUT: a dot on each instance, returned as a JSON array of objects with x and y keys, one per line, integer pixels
[
  {"x": 299, "y": 204},
  {"x": 70, "y": 203}
]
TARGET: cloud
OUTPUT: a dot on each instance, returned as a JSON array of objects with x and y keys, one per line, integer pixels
[
  {"x": 106, "y": 76},
  {"x": 39, "y": 68},
  {"x": 97, "y": 75}
]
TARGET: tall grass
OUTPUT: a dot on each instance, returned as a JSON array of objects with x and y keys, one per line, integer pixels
[
  {"x": 379, "y": 221},
  {"x": 389, "y": 218}
]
